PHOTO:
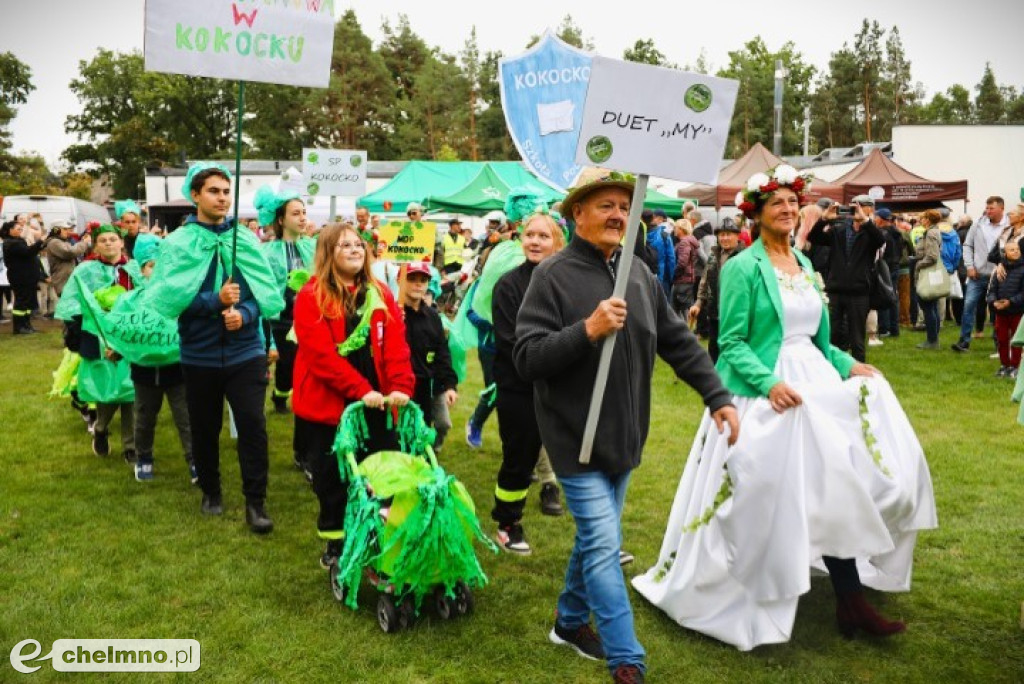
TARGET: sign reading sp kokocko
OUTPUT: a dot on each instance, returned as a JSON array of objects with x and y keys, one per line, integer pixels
[
  {"x": 334, "y": 173},
  {"x": 272, "y": 41}
]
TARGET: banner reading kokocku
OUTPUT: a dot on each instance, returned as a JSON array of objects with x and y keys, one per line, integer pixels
[{"x": 287, "y": 41}]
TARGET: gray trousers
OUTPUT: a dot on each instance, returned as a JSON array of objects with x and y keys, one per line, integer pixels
[
  {"x": 105, "y": 414},
  {"x": 148, "y": 401},
  {"x": 442, "y": 420}
]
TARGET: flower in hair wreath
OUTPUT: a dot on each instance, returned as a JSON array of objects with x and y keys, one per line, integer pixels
[{"x": 761, "y": 185}]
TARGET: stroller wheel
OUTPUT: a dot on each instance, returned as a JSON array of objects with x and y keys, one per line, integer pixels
[
  {"x": 387, "y": 615},
  {"x": 337, "y": 590},
  {"x": 463, "y": 598},
  {"x": 442, "y": 604},
  {"x": 406, "y": 612}
]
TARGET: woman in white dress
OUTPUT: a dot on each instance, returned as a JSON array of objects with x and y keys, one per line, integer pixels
[{"x": 827, "y": 472}]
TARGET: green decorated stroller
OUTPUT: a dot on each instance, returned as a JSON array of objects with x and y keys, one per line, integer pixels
[{"x": 409, "y": 526}]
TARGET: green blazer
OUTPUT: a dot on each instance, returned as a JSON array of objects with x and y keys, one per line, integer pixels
[{"x": 750, "y": 324}]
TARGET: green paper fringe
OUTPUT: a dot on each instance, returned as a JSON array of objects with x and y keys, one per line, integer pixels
[{"x": 65, "y": 378}]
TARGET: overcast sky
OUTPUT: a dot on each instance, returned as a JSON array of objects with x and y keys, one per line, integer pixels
[{"x": 947, "y": 41}]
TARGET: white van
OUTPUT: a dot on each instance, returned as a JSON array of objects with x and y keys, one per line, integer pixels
[{"x": 54, "y": 208}]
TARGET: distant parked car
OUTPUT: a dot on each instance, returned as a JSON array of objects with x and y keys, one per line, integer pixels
[{"x": 55, "y": 208}]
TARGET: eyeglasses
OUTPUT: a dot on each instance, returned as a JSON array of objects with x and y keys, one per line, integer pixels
[{"x": 350, "y": 246}]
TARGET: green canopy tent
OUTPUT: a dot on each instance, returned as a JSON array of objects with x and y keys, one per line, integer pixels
[
  {"x": 672, "y": 206},
  {"x": 419, "y": 180},
  {"x": 487, "y": 192}
]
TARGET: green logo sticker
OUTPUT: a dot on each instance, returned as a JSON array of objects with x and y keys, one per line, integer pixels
[
  {"x": 698, "y": 97},
  {"x": 313, "y": 188},
  {"x": 313, "y": 158},
  {"x": 356, "y": 161},
  {"x": 599, "y": 149}
]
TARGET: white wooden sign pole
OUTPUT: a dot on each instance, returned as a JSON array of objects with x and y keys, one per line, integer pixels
[{"x": 621, "y": 282}]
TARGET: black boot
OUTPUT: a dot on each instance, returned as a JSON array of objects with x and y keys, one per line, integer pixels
[{"x": 257, "y": 519}]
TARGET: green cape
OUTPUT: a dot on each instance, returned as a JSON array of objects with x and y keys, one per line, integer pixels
[
  {"x": 90, "y": 276},
  {"x": 274, "y": 251},
  {"x": 185, "y": 260}
]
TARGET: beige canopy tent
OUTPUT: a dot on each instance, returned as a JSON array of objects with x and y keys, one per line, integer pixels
[
  {"x": 894, "y": 187},
  {"x": 734, "y": 177}
]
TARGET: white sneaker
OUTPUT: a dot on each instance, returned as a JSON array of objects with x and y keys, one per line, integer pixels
[
  {"x": 875, "y": 342},
  {"x": 994, "y": 356}
]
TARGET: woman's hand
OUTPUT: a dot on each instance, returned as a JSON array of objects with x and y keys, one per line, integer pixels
[
  {"x": 373, "y": 399},
  {"x": 783, "y": 397},
  {"x": 398, "y": 399},
  {"x": 865, "y": 370}
]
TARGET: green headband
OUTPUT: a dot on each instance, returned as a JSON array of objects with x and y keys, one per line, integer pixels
[
  {"x": 267, "y": 202},
  {"x": 106, "y": 228},
  {"x": 186, "y": 188},
  {"x": 123, "y": 207}
]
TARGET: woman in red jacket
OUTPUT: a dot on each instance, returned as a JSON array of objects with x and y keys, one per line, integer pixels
[{"x": 351, "y": 347}]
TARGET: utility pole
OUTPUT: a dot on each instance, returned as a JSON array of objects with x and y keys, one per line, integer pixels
[
  {"x": 807, "y": 129},
  {"x": 780, "y": 74}
]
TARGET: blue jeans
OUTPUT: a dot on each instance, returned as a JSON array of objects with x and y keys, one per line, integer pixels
[
  {"x": 973, "y": 297},
  {"x": 931, "y": 319},
  {"x": 594, "y": 582}
]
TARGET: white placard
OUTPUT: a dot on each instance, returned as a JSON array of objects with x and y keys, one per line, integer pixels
[
  {"x": 244, "y": 40},
  {"x": 334, "y": 173},
  {"x": 656, "y": 121}
]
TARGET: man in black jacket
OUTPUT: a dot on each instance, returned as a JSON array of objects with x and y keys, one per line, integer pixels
[
  {"x": 852, "y": 245},
  {"x": 566, "y": 313}
]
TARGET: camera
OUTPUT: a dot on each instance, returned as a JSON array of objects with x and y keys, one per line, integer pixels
[{"x": 844, "y": 211}]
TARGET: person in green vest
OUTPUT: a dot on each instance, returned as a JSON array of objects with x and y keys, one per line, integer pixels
[
  {"x": 104, "y": 377},
  {"x": 453, "y": 245}
]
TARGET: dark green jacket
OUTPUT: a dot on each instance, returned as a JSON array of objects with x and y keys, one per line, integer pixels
[{"x": 750, "y": 324}]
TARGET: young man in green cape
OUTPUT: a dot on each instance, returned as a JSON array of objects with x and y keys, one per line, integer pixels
[{"x": 219, "y": 293}]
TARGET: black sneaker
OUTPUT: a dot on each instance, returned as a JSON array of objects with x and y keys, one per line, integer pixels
[
  {"x": 100, "y": 443},
  {"x": 550, "y": 499},
  {"x": 960, "y": 347},
  {"x": 281, "y": 405},
  {"x": 512, "y": 539},
  {"x": 1003, "y": 370},
  {"x": 211, "y": 505},
  {"x": 628, "y": 674},
  {"x": 331, "y": 554},
  {"x": 583, "y": 640},
  {"x": 257, "y": 519},
  {"x": 130, "y": 456}
]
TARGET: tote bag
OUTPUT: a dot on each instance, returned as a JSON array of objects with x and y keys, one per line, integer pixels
[{"x": 932, "y": 282}]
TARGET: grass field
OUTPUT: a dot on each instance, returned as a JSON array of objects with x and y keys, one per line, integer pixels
[{"x": 87, "y": 552}]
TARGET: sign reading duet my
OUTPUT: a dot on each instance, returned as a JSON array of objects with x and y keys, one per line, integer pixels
[
  {"x": 273, "y": 41},
  {"x": 407, "y": 241}
]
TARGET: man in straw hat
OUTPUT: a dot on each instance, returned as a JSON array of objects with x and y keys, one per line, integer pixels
[{"x": 567, "y": 312}]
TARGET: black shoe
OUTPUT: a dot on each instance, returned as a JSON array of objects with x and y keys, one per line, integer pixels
[
  {"x": 583, "y": 640},
  {"x": 304, "y": 467},
  {"x": 100, "y": 443},
  {"x": 130, "y": 456},
  {"x": 26, "y": 330},
  {"x": 550, "y": 499},
  {"x": 331, "y": 554},
  {"x": 257, "y": 518},
  {"x": 628, "y": 674},
  {"x": 960, "y": 347},
  {"x": 281, "y": 405},
  {"x": 211, "y": 505}
]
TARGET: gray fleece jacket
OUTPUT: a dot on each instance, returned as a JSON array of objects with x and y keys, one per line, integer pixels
[{"x": 552, "y": 350}]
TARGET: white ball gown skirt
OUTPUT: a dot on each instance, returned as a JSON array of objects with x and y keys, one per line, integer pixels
[{"x": 841, "y": 475}]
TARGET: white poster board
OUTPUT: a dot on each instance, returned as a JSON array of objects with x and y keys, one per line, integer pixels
[
  {"x": 656, "y": 121},
  {"x": 334, "y": 173},
  {"x": 290, "y": 43}
]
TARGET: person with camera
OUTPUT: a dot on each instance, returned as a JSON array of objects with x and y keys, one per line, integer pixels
[
  {"x": 853, "y": 240},
  {"x": 22, "y": 262}
]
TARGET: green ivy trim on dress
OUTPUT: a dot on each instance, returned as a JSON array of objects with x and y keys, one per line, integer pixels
[{"x": 865, "y": 427}]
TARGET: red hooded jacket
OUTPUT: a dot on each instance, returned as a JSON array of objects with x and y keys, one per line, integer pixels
[{"x": 324, "y": 381}]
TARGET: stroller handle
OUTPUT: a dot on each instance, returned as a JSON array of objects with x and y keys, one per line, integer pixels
[{"x": 354, "y": 412}]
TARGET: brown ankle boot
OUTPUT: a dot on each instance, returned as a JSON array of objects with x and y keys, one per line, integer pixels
[{"x": 853, "y": 612}]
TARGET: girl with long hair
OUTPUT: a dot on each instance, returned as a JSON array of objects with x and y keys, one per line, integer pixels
[{"x": 352, "y": 347}]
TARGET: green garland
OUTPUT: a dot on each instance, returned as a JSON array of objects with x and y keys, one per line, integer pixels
[
  {"x": 865, "y": 428},
  {"x": 724, "y": 492},
  {"x": 361, "y": 334}
]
